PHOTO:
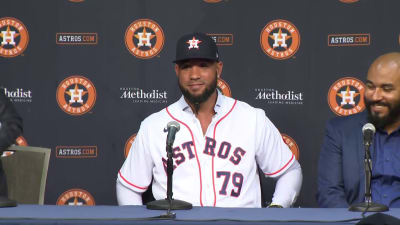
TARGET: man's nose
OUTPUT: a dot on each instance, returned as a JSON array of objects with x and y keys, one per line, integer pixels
[
  {"x": 195, "y": 72},
  {"x": 377, "y": 94}
]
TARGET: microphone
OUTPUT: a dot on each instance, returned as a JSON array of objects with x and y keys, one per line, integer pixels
[
  {"x": 368, "y": 131},
  {"x": 169, "y": 203},
  {"x": 172, "y": 127}
]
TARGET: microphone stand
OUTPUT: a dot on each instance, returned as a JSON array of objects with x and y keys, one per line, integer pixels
[
  {"x": 368, "y": 205},
  {"x": 169, "y": 203}
]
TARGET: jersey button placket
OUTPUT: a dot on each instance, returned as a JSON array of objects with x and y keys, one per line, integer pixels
[{"x": 199, "y": 142}]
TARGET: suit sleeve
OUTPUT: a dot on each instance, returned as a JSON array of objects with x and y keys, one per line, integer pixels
[
  {"x": 10, "y": 122},
  {"x": 331, "y": 192}
]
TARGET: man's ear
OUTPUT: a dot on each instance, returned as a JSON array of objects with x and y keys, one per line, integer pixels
[
  {"x": 220, "y": 65},
  {"x": 176, "y": 69}
]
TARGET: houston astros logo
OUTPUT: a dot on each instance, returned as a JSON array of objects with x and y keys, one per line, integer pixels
[
  {"x": 193, "y": 43},
  {"x": 223, "y": 87},
  {"x": 75, "y": 197},
  {"x": 144, "y": 38},
  {"x": 14, "y": 37},
  {"x": 128, "y": 144},
  {"x": 280, "y": 39},
  {"x": 346, "y": 96},
  {"x": 292, "y": 145},
  {"x": 76, "y": 95}
]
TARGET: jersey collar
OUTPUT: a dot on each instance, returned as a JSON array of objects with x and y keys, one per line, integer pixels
[{"x": 186, "y": 108}]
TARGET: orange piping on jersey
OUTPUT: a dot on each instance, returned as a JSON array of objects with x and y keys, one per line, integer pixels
[
  {"x": 215, "y": 128},
  {"x": 269, "y": 174},
  {"x": 120, "y": 174},
  {"x": 195, "y": 151}
]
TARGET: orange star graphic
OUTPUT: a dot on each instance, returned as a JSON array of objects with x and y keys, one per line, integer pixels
[
  {"x": 75, "y": 92},
  {"x": 144, "y": 33},
  {"x": 347, "y": 94},
  {"x": 280, "y": 38},
  {"x": 8, "y": 33},
  {"x": 194, "y": 41}
]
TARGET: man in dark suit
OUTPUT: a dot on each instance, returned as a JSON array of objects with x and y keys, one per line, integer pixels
[
  {"x": 341, "y": 174},
  {"x": 10, "y": 129}
]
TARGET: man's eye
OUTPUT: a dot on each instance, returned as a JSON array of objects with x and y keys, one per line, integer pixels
[
  {"x": 387, "y": 89},
  {"x": 184, "y": 66}
]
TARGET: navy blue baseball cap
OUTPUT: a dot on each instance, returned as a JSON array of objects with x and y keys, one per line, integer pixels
[{"x": 196, "y": 46}]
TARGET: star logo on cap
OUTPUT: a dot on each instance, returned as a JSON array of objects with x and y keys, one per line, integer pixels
[{"x": 193, "y": 43}]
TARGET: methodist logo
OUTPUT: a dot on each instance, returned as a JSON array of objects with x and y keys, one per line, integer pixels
[
  {"x": 76, "y": 197},
  {"x": 18, "y": 94},
  {"x": 138, "y": 95},
  {"x": 14, "y": 37},
  {"x": 346, "y": 96},
  {"x": 76, "y": 95},
  {"x": 274, "y": 96},
  {"x": 289, "y": 141},
  {"x": 224, "y": 87},
  {"x": 144, "y": 38},
  {"x": 280, "y": 39},
  {"x": 128, "y": 144}
]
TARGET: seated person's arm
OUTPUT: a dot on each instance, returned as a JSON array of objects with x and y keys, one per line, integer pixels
[
  {"x": 277, "y": 161},
  {"x": 288, "y": 186},
  {"x": 136, "y": 173},
  {"x": 126, "y": 196}
]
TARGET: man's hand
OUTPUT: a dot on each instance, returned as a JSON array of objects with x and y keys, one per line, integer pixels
[{"x": 272, "y": 205}]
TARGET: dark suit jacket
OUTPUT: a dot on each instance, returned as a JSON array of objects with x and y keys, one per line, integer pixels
[
  {"x": 10, "y": 129},
  {"x": 341, "y": 174},
  {"x": 11, "y": 122}
]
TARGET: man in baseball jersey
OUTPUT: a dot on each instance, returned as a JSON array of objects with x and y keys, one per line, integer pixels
[{"x": 220, "y": 143}]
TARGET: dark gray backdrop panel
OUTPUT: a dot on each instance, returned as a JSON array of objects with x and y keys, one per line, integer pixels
[{"x": 110, "y": 66}]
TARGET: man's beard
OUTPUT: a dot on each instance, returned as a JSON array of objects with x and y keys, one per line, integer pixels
[
  {"x": 382, "y": 122},
  {"x": 197, "y": 100}
]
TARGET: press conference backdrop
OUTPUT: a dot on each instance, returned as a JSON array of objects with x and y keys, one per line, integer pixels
[{"x": 84, "y": 73}]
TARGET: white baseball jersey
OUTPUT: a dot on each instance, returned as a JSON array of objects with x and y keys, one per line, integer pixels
[{"x": 215, "y": 169}]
